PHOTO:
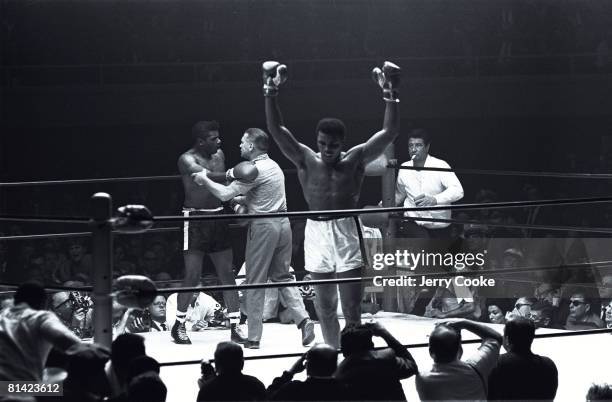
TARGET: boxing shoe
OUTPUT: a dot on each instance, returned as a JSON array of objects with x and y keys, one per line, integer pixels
[
  {"x": 237, "y": 335},
  {"x": 179, "y": 333},
  {"x": 251, "y": 345},
  {"x": 308, "y": 333}
]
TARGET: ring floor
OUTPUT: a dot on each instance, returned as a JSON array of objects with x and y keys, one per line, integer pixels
[{"x": 581, "y": 360}]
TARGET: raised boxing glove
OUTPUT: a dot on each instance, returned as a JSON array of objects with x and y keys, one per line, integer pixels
[
  {"x": 388, "y": 79},
  {"x": 274, "y": 74}
]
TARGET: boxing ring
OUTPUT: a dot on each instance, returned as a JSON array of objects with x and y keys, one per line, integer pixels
[{"x": 280, "y": 344}]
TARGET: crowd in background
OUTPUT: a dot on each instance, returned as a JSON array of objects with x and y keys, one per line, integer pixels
[{"x": 91, "y": 372}]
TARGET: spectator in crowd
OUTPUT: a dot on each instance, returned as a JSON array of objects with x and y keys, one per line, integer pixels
[
  {"x": 151, "y": 319},
  {"x": 86, "y": 379},
  {"x": 496, "y": 310},
  {"x": 27, "y": 334},
  {"x": 124, "y": 348},
  {"x": 605, "y": 295},
  {"x": 226, "y": 382},
  {"x": 542, "y": 315},
  {"x": 522, "y": 307},
  {"x": 320, "y": 363},
  {"x": 537, "y": 375},
  {"x": 583, "y": 312},
  {"x": 201, "y": 311},
  {"x": 136, "y": 367},
  {"x": 79, "y": 264},
  {"x": 363, "y": 365},
  {"x": 147, "y": 387},
  {"x": 599, "y": 392},
  {"x": 451, "y": 378}
]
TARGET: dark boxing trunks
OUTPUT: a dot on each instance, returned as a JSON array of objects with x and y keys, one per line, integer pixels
[{"x": 206, "y": 236}]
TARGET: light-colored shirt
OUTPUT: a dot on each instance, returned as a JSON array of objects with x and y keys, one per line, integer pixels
[
  {"x": 202, "y": 310},
  {"x": 443, "y": 186},
  {"x": 267, "y": 192},
  {"x": 460, "y": 380},
  {"x": 26, "y": 338}
]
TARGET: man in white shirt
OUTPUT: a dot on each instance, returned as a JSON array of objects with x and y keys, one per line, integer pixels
[
  {"x": 450, "y": 377},
  {"x": 419, "y": 188}
]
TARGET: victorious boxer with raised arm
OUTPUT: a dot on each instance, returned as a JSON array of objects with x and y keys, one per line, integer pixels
[
  {"x": 331, "y": 179},
  {"x": 205, "y": 237}
]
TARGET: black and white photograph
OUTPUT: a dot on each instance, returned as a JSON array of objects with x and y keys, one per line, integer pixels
[{"x": 305, "y": 200}]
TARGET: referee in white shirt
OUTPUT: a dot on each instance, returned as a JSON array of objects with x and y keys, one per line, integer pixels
[{"x": 419, "y": 188}]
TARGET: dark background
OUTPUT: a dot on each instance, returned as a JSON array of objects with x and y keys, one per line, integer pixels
[{"x": 111, "y": 88}]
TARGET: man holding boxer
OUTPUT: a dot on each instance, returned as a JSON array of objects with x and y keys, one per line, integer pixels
[
  {"x": 205, "y": 237},
  {"x": 331, "y": 179},
  {"x": 268, "y": 248}
]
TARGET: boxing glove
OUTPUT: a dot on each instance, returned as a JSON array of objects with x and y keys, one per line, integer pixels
[
  {"x": 274, "y": 74},
  {"x": 244, "y": 171},
  {"x": 388, "y": 79},
  {"x": 133, "y": 219},
  {"x": 135, "y": 291}
]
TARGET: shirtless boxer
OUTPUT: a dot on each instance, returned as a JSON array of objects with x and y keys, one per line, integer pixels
[
  {"x": 205, "y": 237},
  {"x": 331, "y": 179}
]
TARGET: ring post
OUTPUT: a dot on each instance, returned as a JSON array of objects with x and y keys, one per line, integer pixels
[
  {"x": 388, "y": 200},
  {"x": 101, "y": 213}
]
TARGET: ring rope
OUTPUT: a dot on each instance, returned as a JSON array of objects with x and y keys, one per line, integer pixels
[
  {"x": 81, "y": 234},
  {"x": 337, "y": 212},
  {"x": 49, "y": 219},
  {"x": 558, "y": 175},
  {"x": 408, "y": 346},
  {"x": 52, "y": 287},
  {"x": 100, "y": 180},
  {"x": 581, "y": 229},
  {"x": 355, "y": 211}
]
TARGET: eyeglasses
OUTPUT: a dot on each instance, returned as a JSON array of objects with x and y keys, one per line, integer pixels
[{"x": 576, "y": 303}]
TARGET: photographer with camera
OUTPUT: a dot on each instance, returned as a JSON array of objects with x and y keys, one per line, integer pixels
[
  {"x": 75, "y": 310},
  {"x": 363, "y": 366},
  {"x": 151, "y": 319},
  {"x": 225, "y": 381},
  {"x": 320, "y": 362}
]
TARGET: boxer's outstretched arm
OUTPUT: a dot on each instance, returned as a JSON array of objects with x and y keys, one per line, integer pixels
[
  {"x": 275, "y": 74},
  {"x": 289, "y": 146},
  {"x": 388, "y": 79}
]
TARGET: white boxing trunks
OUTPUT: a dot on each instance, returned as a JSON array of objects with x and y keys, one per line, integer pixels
[{"x": 331, "y": 245}]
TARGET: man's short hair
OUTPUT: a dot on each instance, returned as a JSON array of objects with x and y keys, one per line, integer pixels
[
  {"x": 333, "y": 127},
  {"x": 147, "y": 387},
  {"x": 599, "y": 392},
  {"x": 259, "y": 138},
  {"x": 31, "y": 293},
  {"x": 127, "y": 347},
  {"x": 322, "y": 360},
  {"x": 202, "y": 128},
  {"x": 444, "y": 343},
  {"x": 422, "y": 134},
  {"x": 520, "y": 332},
  {"x": 356, "y": 339},
  {"x": 229, "y": 357}
]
